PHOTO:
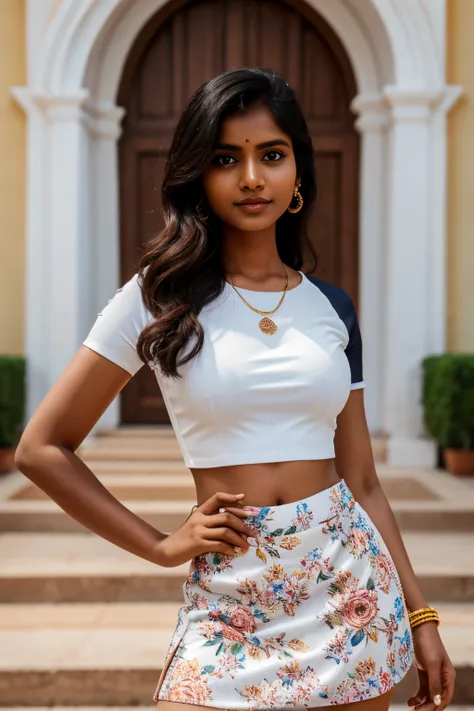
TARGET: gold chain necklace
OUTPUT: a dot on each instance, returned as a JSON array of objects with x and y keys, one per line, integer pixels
[{"x": 266, "y": 324}]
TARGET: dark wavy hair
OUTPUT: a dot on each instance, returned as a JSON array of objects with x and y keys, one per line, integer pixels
[{"x": 181, "y": 268}]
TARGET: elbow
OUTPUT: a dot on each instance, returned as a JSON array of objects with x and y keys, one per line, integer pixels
[
  {"x": 26, "y": 457},
  {"x": 23, "y": 456}
]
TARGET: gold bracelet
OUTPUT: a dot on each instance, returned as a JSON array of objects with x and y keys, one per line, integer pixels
[
  {"x": 425, "y": 614},
  {"x": 422, "y": 622}
]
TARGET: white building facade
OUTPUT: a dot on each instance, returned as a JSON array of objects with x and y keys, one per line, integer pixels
[{"x": 396, "y": 47}]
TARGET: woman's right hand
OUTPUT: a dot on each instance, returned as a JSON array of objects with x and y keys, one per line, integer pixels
[{"x": 207, "y": 531}]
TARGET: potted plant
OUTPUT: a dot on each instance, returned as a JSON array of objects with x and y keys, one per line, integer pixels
[
  {"x": 448, "y": 402},
  {"x": 12, "y": 407}
]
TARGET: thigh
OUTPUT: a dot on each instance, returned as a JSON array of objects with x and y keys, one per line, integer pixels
[{"x": 379, "y": 703}]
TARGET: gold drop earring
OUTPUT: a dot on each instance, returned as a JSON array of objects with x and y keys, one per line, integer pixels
[
  {"x": 199, "y": 212},
  {"x": 299, "y": 197}
]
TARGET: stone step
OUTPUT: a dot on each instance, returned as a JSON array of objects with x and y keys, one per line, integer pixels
[
  {"x": 134, "y": 431},
  {"x": 153, "y": 452},
  {"x": 47, "y": 516},
  {"x": 80, "y": 567},
  {"x": 158, "y": 440},
  {"x": 130, "y": 467},
  {"x": 132, "y": 487},
  {"x": 166, "y": 504},
  {"x": 113, "y": 654},
  {"x": 147, "y": 484}
]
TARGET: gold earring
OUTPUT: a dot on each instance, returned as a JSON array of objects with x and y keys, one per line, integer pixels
[
  {"x": 299, "y": 197},
  {"x": 199, "y": 212}
]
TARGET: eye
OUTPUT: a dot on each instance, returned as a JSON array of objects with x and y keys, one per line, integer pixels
[
  {"x": 222, "y": 159},
  {"x": 276, "y": 156}
]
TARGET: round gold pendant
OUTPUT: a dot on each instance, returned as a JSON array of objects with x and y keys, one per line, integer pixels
[{"x": 268, "y": 326}]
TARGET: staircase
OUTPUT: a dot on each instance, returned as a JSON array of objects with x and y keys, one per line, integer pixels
[{"x": 83, "y": 623}]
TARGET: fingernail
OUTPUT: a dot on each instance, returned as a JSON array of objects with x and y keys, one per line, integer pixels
[
  {"x": 437, "y": 699},
  {"x": 252, "y": 542},
  {"x": 237, "y": 549},
  {"x": 239, "y": 496}
]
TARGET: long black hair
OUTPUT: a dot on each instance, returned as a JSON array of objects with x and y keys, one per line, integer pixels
[{"x": 181, "y": 269}]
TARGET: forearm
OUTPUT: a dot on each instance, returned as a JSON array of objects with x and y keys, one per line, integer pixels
[
  {"x": 375, "y": 503},
  {"x": 71, "y": 484}
]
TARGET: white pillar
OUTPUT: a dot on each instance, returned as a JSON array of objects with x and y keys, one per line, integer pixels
[
  {"x": 371, "y": 124},
  {"x": 408, "y": 313},
  {"x": 70, "y": 231},
  {"x": 105, "y": 130}
]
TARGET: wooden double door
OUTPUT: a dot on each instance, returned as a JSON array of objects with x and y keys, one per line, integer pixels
[{"x": 186, "y": 44}]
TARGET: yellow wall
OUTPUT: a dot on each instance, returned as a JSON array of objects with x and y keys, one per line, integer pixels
[
  {"x": 460, "y": 264},
  {"x": 12, "y": 177},
  {"x": 460, "y": 70}
]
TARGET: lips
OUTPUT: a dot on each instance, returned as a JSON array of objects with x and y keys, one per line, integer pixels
[{"x": 253, "y": 201}]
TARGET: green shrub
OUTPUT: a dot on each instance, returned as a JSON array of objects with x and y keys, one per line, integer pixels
[
  {"x": 448, "y": 399},
  {"x": 12, "y": 399}
]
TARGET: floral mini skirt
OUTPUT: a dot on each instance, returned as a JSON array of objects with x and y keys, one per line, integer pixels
[{"x": 314, "y": 615}]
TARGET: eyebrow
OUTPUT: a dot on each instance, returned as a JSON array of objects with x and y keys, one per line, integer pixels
[{"x": 267, "y": 144}]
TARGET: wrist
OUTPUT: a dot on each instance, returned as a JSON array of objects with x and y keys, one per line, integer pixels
[{"x": 160, "y": 554}]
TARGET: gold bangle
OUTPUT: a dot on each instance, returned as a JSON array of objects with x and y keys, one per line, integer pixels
[
  {"x": 422, "y": 611},
  {"x": 425, "y": 614},
  {"x": 422, "y": 620}
]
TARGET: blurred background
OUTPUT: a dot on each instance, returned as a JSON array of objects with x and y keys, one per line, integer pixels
[{"x": 90, "y": 94}]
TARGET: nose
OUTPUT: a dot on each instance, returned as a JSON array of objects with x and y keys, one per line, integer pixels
[{"x": 251, "y": 177}]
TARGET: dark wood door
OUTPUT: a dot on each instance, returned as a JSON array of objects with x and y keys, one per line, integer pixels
[{"x": 186, "y": 44}]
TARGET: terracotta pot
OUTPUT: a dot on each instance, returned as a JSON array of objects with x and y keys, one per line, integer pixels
[
  {"x": 459, "y": 461},
  {"x": 6, "y": 459}
]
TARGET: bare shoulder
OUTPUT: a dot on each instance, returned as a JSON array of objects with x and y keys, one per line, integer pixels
[{"x": 81, "y": 394}]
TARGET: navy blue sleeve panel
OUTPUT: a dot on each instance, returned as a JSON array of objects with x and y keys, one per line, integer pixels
[{"x": 345, "y": 309}]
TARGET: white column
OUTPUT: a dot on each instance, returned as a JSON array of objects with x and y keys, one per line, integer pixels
[
  {"x": 70, "y": 229},
  {"x": 437, "y": 215},
  {"x": 408, "y": 313},
  {"x": 371, "y": 124},
  {"x": 105, "y": 129}
]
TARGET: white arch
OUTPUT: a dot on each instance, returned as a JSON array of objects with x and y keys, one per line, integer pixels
[
  {"x": 397, "y": 52},
  {"x": 388, "y": 42}
]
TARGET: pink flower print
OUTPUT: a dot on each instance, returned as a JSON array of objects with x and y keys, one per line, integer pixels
[
  {"x": 188, "y": 687},
  {"x": 251, "y": 510},
  {"x": 361, "y": 608},
  {"x": 359, "y": 542},
  {"x": 385, "y": 679},
  {"x": 337, "y": 648},
  {"x": 232, "y": 634},
  {"x": 366, "y": 669},
  {"x": 383, "y": 572},
  {"x": 242, "y": 619}
]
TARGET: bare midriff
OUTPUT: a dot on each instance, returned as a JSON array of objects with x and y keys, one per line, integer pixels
[{"x": 268, "y": 484}]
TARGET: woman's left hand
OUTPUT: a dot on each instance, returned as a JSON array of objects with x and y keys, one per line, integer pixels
[{"x": 435, "y": 672}]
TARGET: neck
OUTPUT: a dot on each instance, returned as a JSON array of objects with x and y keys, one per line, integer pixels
[{"x": 251, "y": 254}]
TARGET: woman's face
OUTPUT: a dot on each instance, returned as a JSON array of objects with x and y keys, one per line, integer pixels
[{"x": 253, "y": 159}]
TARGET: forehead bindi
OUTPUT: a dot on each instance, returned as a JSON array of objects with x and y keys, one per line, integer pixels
[{"x": 251, "y": 128}]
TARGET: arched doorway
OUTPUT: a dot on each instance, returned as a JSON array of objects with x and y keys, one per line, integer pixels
[{"x": 188, "y": 43}]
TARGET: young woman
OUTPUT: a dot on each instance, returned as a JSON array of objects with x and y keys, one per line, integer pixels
[{"x": 299, "y": 587}]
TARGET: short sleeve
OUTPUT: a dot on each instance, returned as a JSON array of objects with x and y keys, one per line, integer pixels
[
  {"x": 345, "y": 309},
  {"x": 354, "y": 347},
  {"x": 115, "y": 332}
]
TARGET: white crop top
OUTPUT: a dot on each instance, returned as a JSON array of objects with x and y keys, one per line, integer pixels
[{"x": 248, "y": 397}]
